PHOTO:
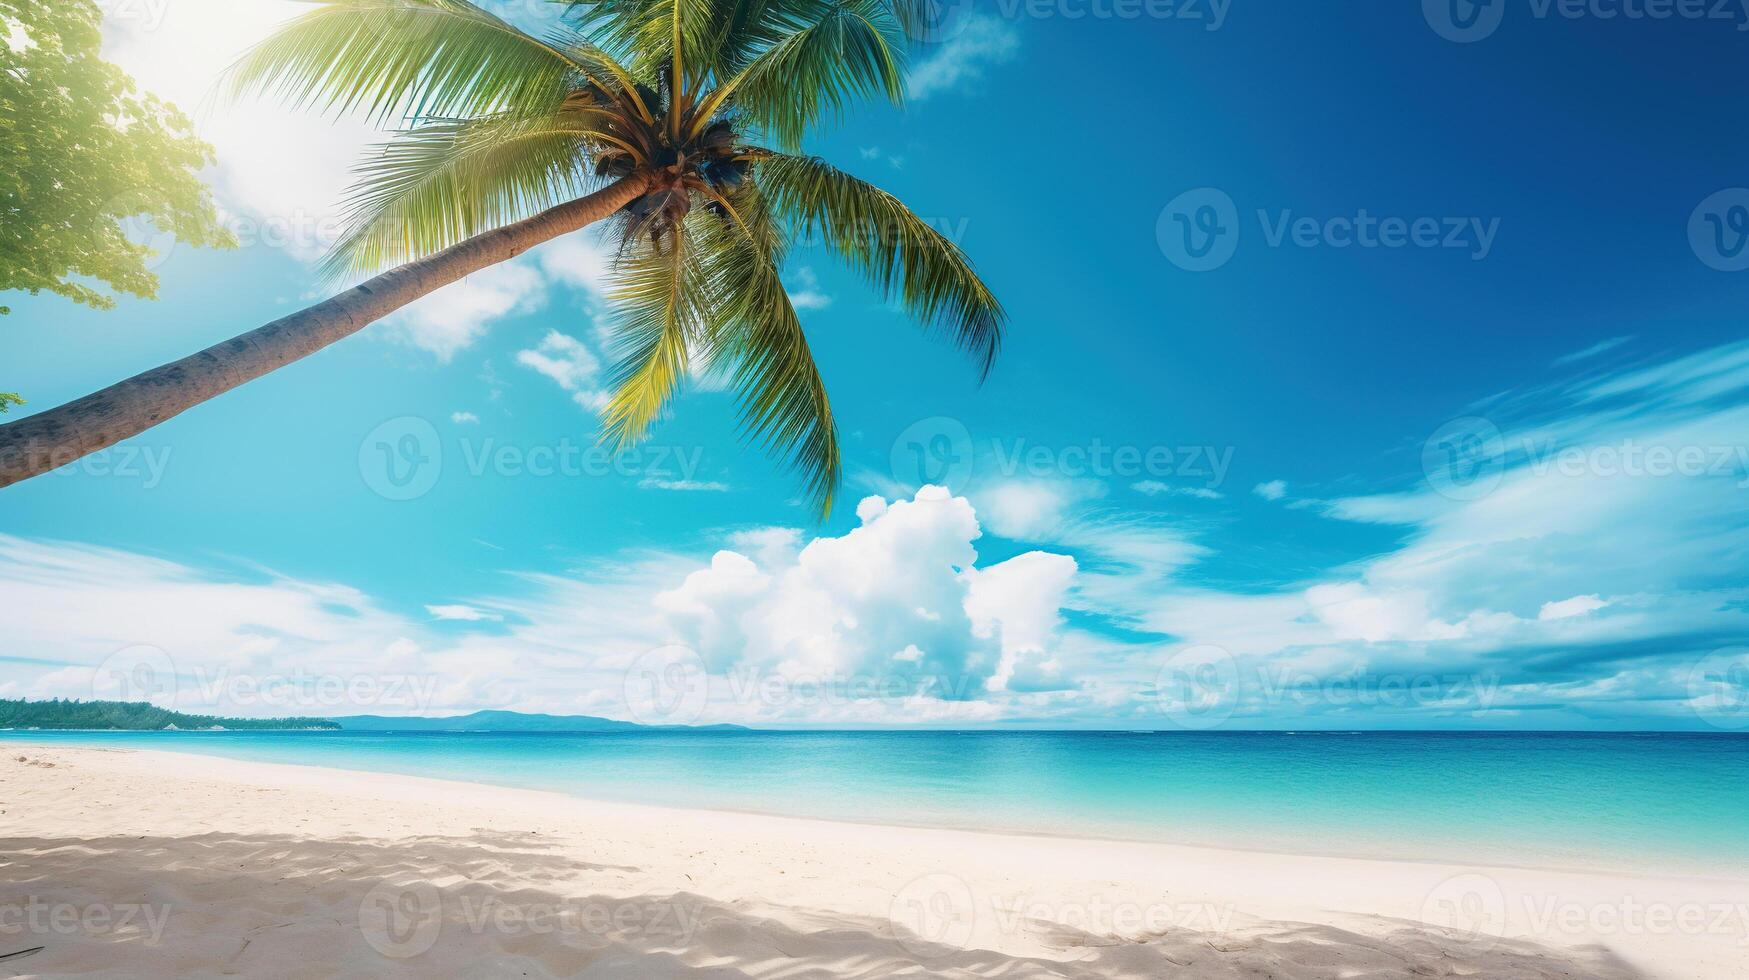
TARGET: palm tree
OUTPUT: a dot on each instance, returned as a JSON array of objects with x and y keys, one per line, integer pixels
[{"x": 676, "y": 121}]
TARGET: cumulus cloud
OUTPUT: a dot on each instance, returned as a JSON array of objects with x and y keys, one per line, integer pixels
[
  {"x": 1272, "y": 490},
  {"x": 570, "y": 365},
  {"x": 454, "y": 317},
  {"x": 805, "y": 292}
]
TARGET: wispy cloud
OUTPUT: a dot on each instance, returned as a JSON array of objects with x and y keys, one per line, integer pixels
[
  {"x": 1601, "y": 347},
  {"x": 983, "y": 40}
]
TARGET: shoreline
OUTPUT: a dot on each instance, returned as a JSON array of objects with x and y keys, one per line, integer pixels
[
  {"x": 1646, "y": 871},
  {"x": 1162, "y": 902}
]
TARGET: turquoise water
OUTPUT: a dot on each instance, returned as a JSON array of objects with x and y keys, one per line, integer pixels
[{"x": 1635, "y": 802}]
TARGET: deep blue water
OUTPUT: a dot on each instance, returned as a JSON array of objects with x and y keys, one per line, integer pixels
[{"x": 1667, "y": 802}]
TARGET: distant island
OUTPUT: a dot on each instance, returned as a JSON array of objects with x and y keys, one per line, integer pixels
[
  {"x": 133, "y": 716},
  {"x": 508, "y": 721},
  {"x": 139, "y": 716}
]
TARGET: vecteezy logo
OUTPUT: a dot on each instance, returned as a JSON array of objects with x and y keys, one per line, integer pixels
[
  {"x": 1718, "y": 230},
  {"x": 934, "y": 451},
  {"x": 1718, "y": 688},
  {"x": 401, "y": 920},
  {"x": 1464, "y": 459},
  {"x": 667, "y": 686},
  {"x": 1463, "y": 21},
  {"x": 933, "y": 915},
  {"x": 134, "y": 209},
  {"x": 1199, "y": 229},
  {"x": 401, "y": 459},
  {"x": 1471, "y": 906},
  {"x": 935, "y": 21},
  {"x": 136, "y": 673},
  {"x": 1198, "y": 687}
]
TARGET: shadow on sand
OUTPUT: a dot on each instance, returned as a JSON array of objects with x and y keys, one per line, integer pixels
[{"x": 491, "y": 905}]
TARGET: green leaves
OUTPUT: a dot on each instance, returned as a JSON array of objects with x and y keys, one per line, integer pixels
[
  {"x": 899, "y": 252},
  {"x": 445, "y": 182},
  {"x": 7, "y": 400},
  {"x": 405, "y": 58},
  {"x": 783, "y": 398},
  {"x": 81, "y": 155},
  {"x": 502, "y": 125},
  {"x": 659, "y": 302},
  {"x": 853, "y": 49}
]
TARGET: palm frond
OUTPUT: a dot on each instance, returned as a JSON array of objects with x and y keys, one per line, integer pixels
[
  {"x": 784, "y": 407},
  {"x": 658, "y": 292},
  {"x": 879, "y": 236},
  {"x": 852, "y": 49},
  {"x": 444, "y": 182},
  {"x": 411, "y": 58}
]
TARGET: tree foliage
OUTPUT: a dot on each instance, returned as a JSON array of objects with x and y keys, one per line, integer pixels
[
  {"x": 130, "y": 716},
  {"x": 703, "y": 101},
  {"x": 85, "y": 159}
]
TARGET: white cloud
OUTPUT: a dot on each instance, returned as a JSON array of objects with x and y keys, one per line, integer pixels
[
  {"x": 1032, "y": 509},
  {"x": 464, "y": 418},
  {"x": 983, "y": 40},
  {"x": 1155, "y": 488},
  {"x": 463, "y": 613},
  {"x": 454, "y": 317},
  {"x": 693, "y": 486},
  {"x": 1579, "y": 605},
  {"x": 804, "y": 291},
  {"x": 1601, "y": 347},
  {"x": 1272, "y": 490},
  {"x": 570, "y": 365}
]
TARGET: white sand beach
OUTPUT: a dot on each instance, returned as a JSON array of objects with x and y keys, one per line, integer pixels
[{"x": 163, "y": 864}]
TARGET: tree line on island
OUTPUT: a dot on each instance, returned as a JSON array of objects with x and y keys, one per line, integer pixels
[{"x": 131, "y": 716}]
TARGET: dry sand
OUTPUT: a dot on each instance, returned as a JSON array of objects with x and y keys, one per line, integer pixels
[{"x": 163, "y": 864}]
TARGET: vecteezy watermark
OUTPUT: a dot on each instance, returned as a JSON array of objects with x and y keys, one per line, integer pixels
[
  {"x": 139, "y": 672},
  {"x": 402, "y": 920},
  {"x": 1466, "y": 459},
  {"x": 36, "y": 917},
  {"x": 1474, "y": 910},
  {"x": 1467, "y": 21},
  {"x": 404, "y": 459},
  {"x": 667, "y": 686},
  {"x": 941, "y": 451},
  {"x": 1198, "y": 687},
  {"x": 935, "y": 914},
  {"x": 145, "y": 15},
  {"x": 142, "y": 672},
  {"x": 1718, "y": 688},
  {"x": 1199, "y": 231},
  {"x": 145, "y": 465},
  {"x": 1718, "y": 230},
  {"x": 1201, "y": 687},
  {"x": 1471, "y": 908},
  {"x": 941, "y": 21}
]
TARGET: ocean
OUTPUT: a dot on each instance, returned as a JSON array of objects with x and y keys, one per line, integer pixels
[{"x": 1653, "y": 802}]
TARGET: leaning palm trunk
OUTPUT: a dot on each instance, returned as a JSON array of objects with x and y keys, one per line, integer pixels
[{"x": 41, "y": 442}]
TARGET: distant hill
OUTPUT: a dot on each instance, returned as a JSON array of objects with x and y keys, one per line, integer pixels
[
  {"x": 133, "y": 716},
  {"x": 506, "y": 721}
]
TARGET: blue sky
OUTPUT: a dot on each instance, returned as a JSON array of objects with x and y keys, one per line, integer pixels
[{"x": 1188, "y": 495}]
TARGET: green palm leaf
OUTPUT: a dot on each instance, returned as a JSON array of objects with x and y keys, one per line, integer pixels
[
  {"x": 658, "y": 293},
  {"x": 880, "y": 237},
  {"x": 784, "y": 406},
  {"x": 412, "y": 58},
  {"x": 444, "y": 182},
  {"x": 851, "y": 49}
]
